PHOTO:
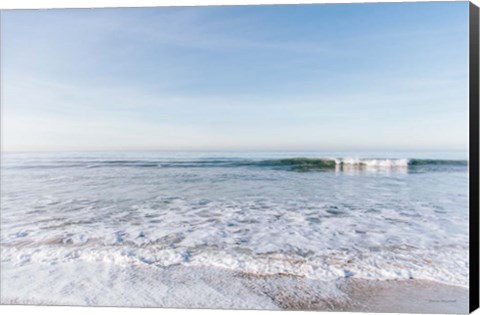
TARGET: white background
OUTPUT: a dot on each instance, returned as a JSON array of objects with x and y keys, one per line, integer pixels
[{"x": 32, "y": 4}]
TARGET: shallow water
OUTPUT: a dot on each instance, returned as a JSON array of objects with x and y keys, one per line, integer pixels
[{"x": 325, "y": 216}]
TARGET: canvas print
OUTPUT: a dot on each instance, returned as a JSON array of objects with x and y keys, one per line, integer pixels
[{"x": 299, "y": 157}]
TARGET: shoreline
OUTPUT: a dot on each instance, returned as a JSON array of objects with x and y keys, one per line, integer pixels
[{"x": 103, "y": 284}]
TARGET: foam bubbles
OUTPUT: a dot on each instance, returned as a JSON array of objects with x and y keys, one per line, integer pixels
[{"x": 265, "y": 221}]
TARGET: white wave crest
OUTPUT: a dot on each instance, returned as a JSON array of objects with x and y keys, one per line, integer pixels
[{"x": 373, "y": 163}]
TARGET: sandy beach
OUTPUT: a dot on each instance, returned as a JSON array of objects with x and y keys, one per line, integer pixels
[{"x": 191, "y": 287}]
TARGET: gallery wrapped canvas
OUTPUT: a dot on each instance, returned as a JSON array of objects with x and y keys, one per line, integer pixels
[{"x": 301, "y": 157}]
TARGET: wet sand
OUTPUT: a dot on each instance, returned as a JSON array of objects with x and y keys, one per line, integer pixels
[
  {"x": 194, "y": 287},
  {"x": 408, "y": 296},
  {"x": 354, "y": 295}
]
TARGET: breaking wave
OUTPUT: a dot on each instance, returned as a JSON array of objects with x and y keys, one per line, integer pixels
[{"x": 298, "y": 164}]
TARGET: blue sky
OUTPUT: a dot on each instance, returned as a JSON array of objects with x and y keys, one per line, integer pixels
[{"x": 309, "y": 77}]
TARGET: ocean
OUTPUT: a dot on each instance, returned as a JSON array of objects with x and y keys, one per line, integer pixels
[{"x": 93, "y": 228}]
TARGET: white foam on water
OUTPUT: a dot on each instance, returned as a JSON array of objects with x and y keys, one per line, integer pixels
[
  {"x": 381, "y": 163},
  {"x": 261, "y": 221}
]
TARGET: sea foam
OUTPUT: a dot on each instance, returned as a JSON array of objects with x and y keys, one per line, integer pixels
[{"x": 255, "y": 214}]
